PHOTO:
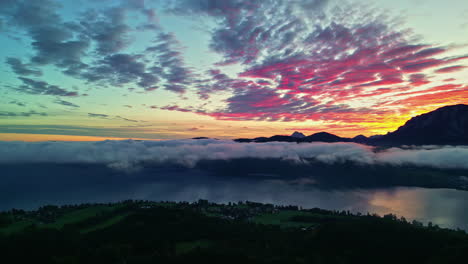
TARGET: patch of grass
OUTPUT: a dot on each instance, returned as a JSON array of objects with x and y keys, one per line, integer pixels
[
  {"x": 72, "y": 217},
  {"x": 281, "y": 218},
  {"x": 16, "y": 227},
  {"x": 109, "y": 222},
  {"x": 80, "y": 215},
  {"x": 186, "y": 247}
]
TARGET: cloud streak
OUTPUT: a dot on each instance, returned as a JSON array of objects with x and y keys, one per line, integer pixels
[
  {"x": 31, "y": 86},
  {"x": 22, "y": 114}
]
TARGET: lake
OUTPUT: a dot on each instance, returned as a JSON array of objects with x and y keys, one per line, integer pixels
[{"x": 29, "y": 187}]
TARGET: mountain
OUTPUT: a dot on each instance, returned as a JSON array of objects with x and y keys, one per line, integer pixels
[
  {"x": 325, "y": 137},
  {"x": 297, "y": 135},
  {"x": 278, "y": 138},
  {"x": 447, "y": 125},
  {"x": 360, "y": 139},
  {"x": 444, "y": 126}
]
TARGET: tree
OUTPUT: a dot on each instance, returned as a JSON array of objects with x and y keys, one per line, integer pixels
[{"x": 5, "y": 220}]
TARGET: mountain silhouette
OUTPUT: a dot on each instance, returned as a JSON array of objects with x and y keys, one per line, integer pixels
[
  {"x": 317, "y": 137},
  {"x": 297, "y": 135},
  {"x": 325, "y": 137},
  {"x": 447, "y": 125}
]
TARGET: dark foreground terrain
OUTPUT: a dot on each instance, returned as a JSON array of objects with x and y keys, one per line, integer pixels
[{"x": 202, "y": 232}]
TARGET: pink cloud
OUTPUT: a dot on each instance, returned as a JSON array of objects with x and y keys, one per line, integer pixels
[{"x": 450, "y": 69}]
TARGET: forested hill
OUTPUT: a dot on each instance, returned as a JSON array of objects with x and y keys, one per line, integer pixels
[{"x": 203, "y": 232}]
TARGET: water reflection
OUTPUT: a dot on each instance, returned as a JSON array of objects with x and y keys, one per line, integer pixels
[
  {"x": 448, "y": 208},
  {"x": 444, "y": 207}
]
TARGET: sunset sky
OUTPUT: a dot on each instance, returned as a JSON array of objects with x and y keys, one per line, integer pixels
[{"x": 91, "y": 70}]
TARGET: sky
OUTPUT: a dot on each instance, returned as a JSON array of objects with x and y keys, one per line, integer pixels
[{"x": 86, "y": 70}]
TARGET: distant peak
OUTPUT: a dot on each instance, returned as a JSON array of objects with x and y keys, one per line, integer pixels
[
  {"x": 323, "y": 133},
  {"x": 297, "y": 135},
  {"x": 360, "y": 137}
]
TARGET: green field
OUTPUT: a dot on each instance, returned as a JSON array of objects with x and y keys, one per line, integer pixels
[
  {"x": 186, "y": 247},
  {"x": 96, "y": 217},
  {"x": 282, "y": 218},
  {"x": 69, "y": 218},
  {"x": 79, "y": 215},
  {"x": 110, "y": 222},
  {"x": 16, "y": 227}
]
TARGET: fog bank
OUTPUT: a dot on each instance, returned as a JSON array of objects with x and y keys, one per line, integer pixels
[{"x": 129, "y": 154}]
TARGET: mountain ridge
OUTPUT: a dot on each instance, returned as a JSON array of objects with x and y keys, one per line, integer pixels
[{"x": 446, "y": 125}]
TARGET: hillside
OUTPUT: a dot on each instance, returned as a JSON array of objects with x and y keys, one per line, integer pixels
[
  {"x": 154, "y": 232},
  {"x": 446, "y": 125}
]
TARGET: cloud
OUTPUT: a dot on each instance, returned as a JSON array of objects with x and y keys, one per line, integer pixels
[
  {"x": 18, "y": 103},
  {"x": 246, "y": 28},
  {"x": 103, "y": 116},
  {"x": 125, "y": 154},
  {"x": 170, "y": 65},
  {"x": 92, "y": 46},
  {"x": 448, "y": 94},
  {"x": 54, "y": 41},
  {"x": 126, "y": 119},
  {"x": 119, "y": 69},
  {"x": 310, "y": 60},
  {"x": 97, "y": 115},
  {"x": 66, "y": 103},
  {"x": 107, "y": 29},
  {"x": 23, "y": 114},
  {"x": 161, "y": 63},
  {"x": 31, "y": 86},
  {"x": 438, "y": 157},
  {"x": 22, "y": 69},
  {"x": 450, "y": 69},
  {"x": 419, "y": 79}
]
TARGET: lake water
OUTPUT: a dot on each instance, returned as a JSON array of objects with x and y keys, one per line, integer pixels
[{"x": 29, "y": 187}]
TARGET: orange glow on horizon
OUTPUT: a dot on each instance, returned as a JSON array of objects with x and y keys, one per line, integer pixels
[
  {"x": 341, "y": 124},
  {"x": 49, "y": 137}
]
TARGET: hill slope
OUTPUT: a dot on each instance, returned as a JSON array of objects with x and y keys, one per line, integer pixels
[
  {"x": 446, "y": 125},
  {"x": 203, "y": 232}
]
